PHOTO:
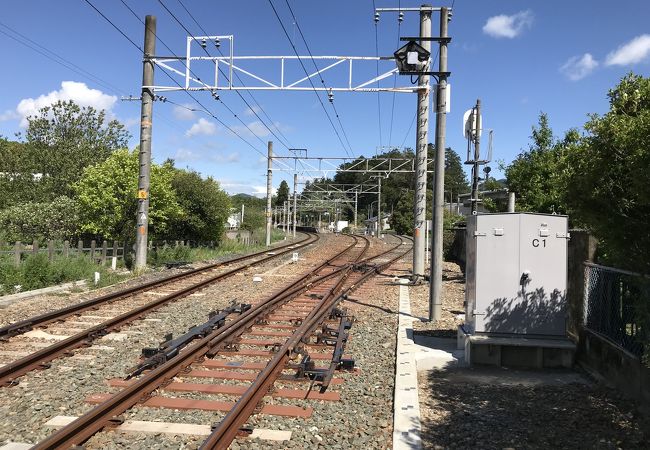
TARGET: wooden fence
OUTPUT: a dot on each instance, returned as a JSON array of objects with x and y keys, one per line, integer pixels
[{"x": 98, "y": 253}]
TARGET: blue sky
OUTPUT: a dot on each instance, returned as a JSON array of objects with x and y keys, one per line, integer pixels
[{"x": 518, "y": 57}]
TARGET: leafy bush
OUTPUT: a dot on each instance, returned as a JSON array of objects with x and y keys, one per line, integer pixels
[{"x": 27, "y": 221}]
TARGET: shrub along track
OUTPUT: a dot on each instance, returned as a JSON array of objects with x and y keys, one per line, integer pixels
[
  {"x": 176, "y": 287},
  {"x": 303, "y": 311}
]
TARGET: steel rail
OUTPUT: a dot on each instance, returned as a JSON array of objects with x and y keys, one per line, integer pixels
[
  {"x": 97, "y": 418},
  {"x": 228, "y": 428},
  {"x": 16, "y": 328},
  {"x": 41, "y": 358}
]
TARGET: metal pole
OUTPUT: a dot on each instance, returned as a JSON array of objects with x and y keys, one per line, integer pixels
[
  {"x": 146, "y": 118},
  {"x": 356, "y": 199},
  {"x": 295, "y": 202},
  {"x": 477, "y": 154},
  {"x": 269, "y": 193},
  {"x": 421, "y": 141},
  {"x": 286, "y": 217},
  {"x": 379, "y": 224},
  {"x": 435, "y": 301},
  {"x": 511, "y": 202}
]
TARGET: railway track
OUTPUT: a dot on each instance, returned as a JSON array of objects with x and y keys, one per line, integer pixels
[
  {"x": 112, "y": 311},
  {"x": 297, "y": 335}
]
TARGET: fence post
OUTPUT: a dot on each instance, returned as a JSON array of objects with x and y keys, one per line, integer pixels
[
  {"x": 50, "y": 250},
  {"x": 93, "y": 244},
  {"x": 17, "y": 250},
  {"x": 80, "y": 247},
  {"x": 66, "y": 249},
  {"x": 35, "y": 247},
  {"x": 104, "y": 252}
]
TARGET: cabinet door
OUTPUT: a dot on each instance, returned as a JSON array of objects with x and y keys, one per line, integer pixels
[
  {"x": 497, "y": 267},
  {"x": 542, "y": 267}
]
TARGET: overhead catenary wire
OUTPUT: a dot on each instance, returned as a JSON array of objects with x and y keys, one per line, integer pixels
[
  {"x": 221, "y": 71},
  {"x": 392, "y": 108},
  {"x": 336, "y": 113},
  {"x": 374, "y": 8},
  {"x": 338, "y": 135},
  {"x": 203, "y": 108},
  {"x": 286, "y": 142}
]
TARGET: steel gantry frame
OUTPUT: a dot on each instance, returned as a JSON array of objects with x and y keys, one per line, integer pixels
[
  {"x": 233, "y": 64},
  {"x": 328, "y": 165}
]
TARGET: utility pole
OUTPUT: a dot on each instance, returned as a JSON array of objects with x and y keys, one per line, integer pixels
[
  {"x": 146, "y": 118},
  {"x": 379, "y": 224},
  {"x": 477, "y": 155},
  {"x": 421, "y": 139},
  {"x": 286, "y": 217},
  {"x": 242, "y": 214},
  {"x": 435, "y": 301},
  {"x": 295, "y": 202},
  {"x": 269, "y": 193},
  {"x": 356, "y": 200}
]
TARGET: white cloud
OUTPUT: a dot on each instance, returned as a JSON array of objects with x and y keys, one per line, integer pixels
[
  {"x": 253, "y": 110},
  {"x": 503, "y": 26},
  {"x": 182, "y": 112},
  {"x": 81, "y": 94},
  {"x": 255, "y": 128},
  {"x": 9, "y": 115},
  {"x": 202, "y": 126},
  {"x": 578, "y": 67},
  {"x": 233, "y": 187},
  {"x": 186, "y": 155},
  {"x": 637, "y": 50}
]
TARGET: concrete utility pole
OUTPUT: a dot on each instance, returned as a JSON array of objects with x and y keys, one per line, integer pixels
[
  {"x": 269, "y": 193},
  {"x": 421, "y": 141},
  {"x": 286, "y": 217},
  {"x": 295, "y": 202},
  {"x": 435, "y": 302},
  {"x": 242, "y": 213},
  {"x": 477, "y": 155},
  {"x": 511, "y": 202},
  {"x": 146, "y": 118}
]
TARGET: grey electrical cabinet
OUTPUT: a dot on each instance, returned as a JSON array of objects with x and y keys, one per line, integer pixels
[{"x": 516, "y": 274}]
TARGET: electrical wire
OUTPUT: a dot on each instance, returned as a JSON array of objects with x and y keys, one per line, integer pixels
[
  {"x": 285, "y": 143},
  {"x": 338, "y": 135},
  {"x": 374, "y": 8},
  {"x": 203, "y": 108},
  {"x": 238, "y": 93},
  {"x": 58, "y": 59},
  {"x": 336, "y": 113},
  {"x": 392, "y": 108}
]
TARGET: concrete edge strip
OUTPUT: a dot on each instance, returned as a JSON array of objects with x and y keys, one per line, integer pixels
[
  {"x": 406, "y": 415},
  {"x": 139, "y": 426},
  {"x": 7, "y": 300}
]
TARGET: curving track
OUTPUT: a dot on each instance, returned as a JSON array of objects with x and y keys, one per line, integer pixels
[
  {"x": 175, "y": 287},
  {"x": 295, "y": 323}
]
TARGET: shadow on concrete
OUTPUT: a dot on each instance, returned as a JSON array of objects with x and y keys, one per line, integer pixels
[{"x": 494, "y": 408}]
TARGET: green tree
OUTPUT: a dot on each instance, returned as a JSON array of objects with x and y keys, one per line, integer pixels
[
  {"x": 455, "y": 177},
  {"x": 205, "y": 207},
  {"x": 282, "y": 194},
  {"x": 69, "y": 138},
  {"x": 107, "y": 195},
  {"x": 20, "y": 179},
  {"x": 607, "y": 174},
  {"x": 536, "y": 174},
  {"x": 29, "y": 221}
]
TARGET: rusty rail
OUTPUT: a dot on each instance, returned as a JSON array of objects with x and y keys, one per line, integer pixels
[{"x": 41, "y": 358}]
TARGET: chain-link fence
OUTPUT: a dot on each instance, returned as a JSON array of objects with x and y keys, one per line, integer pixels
[{"x": 612, "y": 299}]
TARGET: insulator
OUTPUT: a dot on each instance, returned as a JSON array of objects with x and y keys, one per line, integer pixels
[
  {"x": 376, "y": 17},
  {"x": 217, "y": 43},
  {"x": 400, "y": 18},
  {"x": 203, "y": 43}
]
